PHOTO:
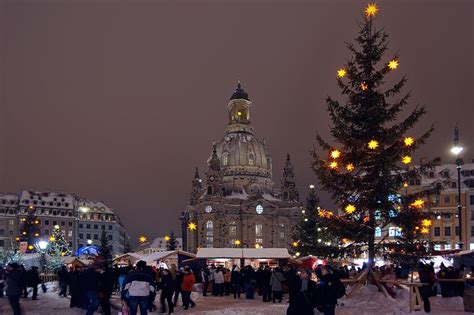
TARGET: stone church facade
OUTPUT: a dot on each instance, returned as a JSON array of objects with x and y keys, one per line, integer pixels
[{"x": 236, "y": 203}]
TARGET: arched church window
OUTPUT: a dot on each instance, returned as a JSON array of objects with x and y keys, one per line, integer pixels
[
  {"x": 282, "y": 231},
  {"x": 259, "y": 209},
  {"x": 258, "y": 235},
  {"x": 209, "y": 234},
  {"x": 232, "y": 229},
  {"x": 209, "y": 190},
  {"x": 225, "y": 158},
  {"x": 208, "y": 209},
  {"x": 251, "y": 159}
]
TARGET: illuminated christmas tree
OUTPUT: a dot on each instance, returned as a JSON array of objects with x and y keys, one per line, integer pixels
[
  {"x": 58, "y": 244},
  {"x": 104, "y": 249},
  {"x": 30, "y": 231},
  {"x": 369, "y": 160},
  {"x": 311, "y": 237}
]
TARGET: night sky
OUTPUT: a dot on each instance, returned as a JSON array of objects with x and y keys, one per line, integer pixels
[{"x": 120, "y": 100}]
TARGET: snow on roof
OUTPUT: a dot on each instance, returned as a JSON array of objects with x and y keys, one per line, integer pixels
[
  {"x": 9, "y": 196},
  {"x": 162, "y": 255},
  {"x": 96, "y": 206},
  {"x": 278, "y": 253},
  {"x": 270, "y": 197}
]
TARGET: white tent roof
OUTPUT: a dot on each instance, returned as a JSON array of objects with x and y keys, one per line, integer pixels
[
  {"x": 162, "y": 255},
  {"x": 249, "y": 253}
]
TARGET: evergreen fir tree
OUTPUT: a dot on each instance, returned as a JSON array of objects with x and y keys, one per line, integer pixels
[
  {"x": 104, "y": 249},
  {"x": 11, "y": 255},
  {"x": 58, "y": 244},
  {"x": 370, "y": 160},
  {"x": 310, "y": 236},
  {"x": 30, "y": 231},
  {"x": 171, "y": 243}
]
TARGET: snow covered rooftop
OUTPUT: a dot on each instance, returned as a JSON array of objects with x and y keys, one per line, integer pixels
[
  {"x": 162, "y": 255},
  {"x": 276, "y": 253}
]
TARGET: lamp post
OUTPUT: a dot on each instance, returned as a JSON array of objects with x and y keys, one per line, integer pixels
[
  {"x": 42, "y": 246},
  {"x": 456, "y": 150}
]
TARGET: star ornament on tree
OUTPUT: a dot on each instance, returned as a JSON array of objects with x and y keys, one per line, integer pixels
[
  {"x": 341, "y": 73},
  {"x": 335, "y": 153},
  {"x": 350, "y": 167},
  {"x": 406, "y": 159},
  {"x": 350, "y": 209},
  {"x": 373, "y": 144},
  {"x": 393, "y": 64},
  {"x": 408, "y": 141},
  {"x": 333, "y": 165},
  {"x": 371, "y": 10}
]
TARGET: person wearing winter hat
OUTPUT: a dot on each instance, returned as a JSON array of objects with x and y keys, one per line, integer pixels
[
  {"x": 14, "y": 286},
  {"x": 137, "y": 286},
  {"x": 187, "y": 287}
]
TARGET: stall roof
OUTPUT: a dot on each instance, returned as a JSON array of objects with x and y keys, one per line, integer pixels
[
  {"x": 162, "y": 255},
  {"x": 249, "y": 253}
]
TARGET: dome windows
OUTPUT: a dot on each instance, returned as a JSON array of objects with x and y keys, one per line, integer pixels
[
  {"x": 259, "y": 209},
  {"x": 251, "y": 159},
  {"x": 208, "y": 209},
  {"x": 225, "y": 158}
]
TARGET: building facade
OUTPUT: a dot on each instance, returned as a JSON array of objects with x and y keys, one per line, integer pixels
[
  {"x": 236, "y": 204},
  {"x": 81, "y": 220}
]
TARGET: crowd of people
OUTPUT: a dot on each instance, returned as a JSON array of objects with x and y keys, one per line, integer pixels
[{"x": 138, "y": 286}]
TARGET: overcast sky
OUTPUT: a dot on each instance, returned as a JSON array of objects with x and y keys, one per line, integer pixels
[{"x": 120, "y": 100}]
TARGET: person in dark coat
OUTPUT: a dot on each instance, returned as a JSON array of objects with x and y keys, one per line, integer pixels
[
  {"x": 90, "y": 279},
  {"x": 304, "y": 297},
  {"x": 24, "y": 281},
  {"x": 76, "y": 289},
  {"x": 33, "y": 280},
  {"x": 276, "y": 282},
  {"x": 205, "y": 274},
  {"x": 248, "y": 275},
  {"x": 63, "y": 276},
  {"x": 426, "y": 290},
  {"x": 328, "y": 288},
  {"x": 259, "y": 280},
  {"x": 106, "y": 287},
  {"x": 2, "y": 280},
  {"x": 236, "y": 281},
  {"x": 177, "y": 287},
  {"x": 266, "y": 287},
  {"x": 293, "y": 282},
  {"x": 14, "y": 282},
  {"x": 167, "y": 290}
]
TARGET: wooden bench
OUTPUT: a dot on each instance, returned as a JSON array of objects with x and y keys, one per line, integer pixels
[{"x": 356, "y": 283}]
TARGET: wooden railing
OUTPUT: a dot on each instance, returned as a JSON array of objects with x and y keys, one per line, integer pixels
[{"x": 48, "y": 277}]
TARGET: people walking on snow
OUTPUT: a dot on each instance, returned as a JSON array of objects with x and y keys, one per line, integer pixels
[
  {"x": 276, "y": 282},
  {"x": 137, "y": 287},
  {"x": 187, "y": 287},
  {"x": 13, "y": 281}
]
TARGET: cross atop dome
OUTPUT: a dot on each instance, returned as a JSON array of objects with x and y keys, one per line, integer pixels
[{"x": 239, "y": 93}]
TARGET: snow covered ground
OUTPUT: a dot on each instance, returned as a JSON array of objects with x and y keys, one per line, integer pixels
[{"x": 366, "y": 301}]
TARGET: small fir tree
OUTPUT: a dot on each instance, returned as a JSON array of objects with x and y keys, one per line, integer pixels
[
  {"x": 11, "y": 255},
  {"x": 104, "y": 249},
  {"x": 30, "y": 231},
  {"x": 127, "y": 247},
  {"x": 171, "y": 243},
  {"x": 310, "y": 236},
  {"x": 370, "y": 159}
]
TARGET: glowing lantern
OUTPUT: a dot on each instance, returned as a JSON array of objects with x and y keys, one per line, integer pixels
[
  {"x": 366, "y": 219},
  {"x": 350, "y": 208},
  {"x": 257, "y": 245},
  {"x": 52, "y": 239},
  {"x": 192, "y": 226},
  {"x": 239, "y": 113},
  {"x": 426, "y": 222},
  {"x": 237, "y": 242},
  {"x": 408, "y": 141},
  {"x": 333, "y": 165},
  {"x": 142, "y": 239},
  {"x": 24, "y": 233},
  {"x": 30, "y": 247},
  {"x": 406, "y": 159},
  {"x": 350, "y": 167},
  {"x": 364, "y": 86},
  {"x": 36, "y": 234},
  {"x": 56, "y": 227},
  {"x": 167, "y": 238},
  {"x": 335, "y": 153},
  {"x": 297, "y": 254},
  {"x": 373, "y": 144},
  {"x": 418, "y": 203},
  {"x": 371, "y": 10},
  {"x": 341, "y": 73},
  {"x": 23, "y": 220},
  {"x": 393, "y": 64},
  {"x": 36, "y": 222},
  {"x": 425, "y": 230},
  {"x": 405, "y": 184},
  {"x": 17, "y": 238},
  {"x": 295, "y": 244},
  {"x": 30, "y": 207}
]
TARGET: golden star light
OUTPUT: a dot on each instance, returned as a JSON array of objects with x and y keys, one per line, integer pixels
[
  {"x": 192, "y": 226},
  {"x": 335, "y": 153},
  {"x": 408, "y": 141},
  {"x": 350, "y": 209},
  {"x": 364, "y": 86},
  {"x": 237, "y": 242},
  {"x": 142, "y": 239},
  {"x": 393, "y": 64},
  {"x": 406, "y": 159},
  {"x": 295, "y": 244},
  {"x": 333, "y": 165},
  {"x": 167, "y": 238},
  {"x": 341, "y": 73},
  {"x": 418, "y": 203},
  {"x": 425, "y": 230},
  {"x": 350, "y": 167},
  {"x": 373, "y": 144},
  {"x": 426, "y": 222},
  {"x": 371, "y": 10}
]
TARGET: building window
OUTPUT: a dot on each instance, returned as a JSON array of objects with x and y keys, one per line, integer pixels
[
  {"x": 110, "y": 227},
  {"x": 447, "y": 247},
  {"x": 393, "y": 231},
  {"x": 472, "y": 231},
  {"x": 46, "y": 232},
  {"x": 447, "y": 215},
  {"x": 209, "y": 234},
  {"x": 232, "y": 229},
  {"x": 208, "y": 209},
  {"x": 471, "y": 199},
  {"x": 437, "y": 231},
  {"x": 447, "y": 199},
  {"x": 258, "y": 230},
  {"x": 447, "y": 231},
  {"x": 96, "y": 236},
  {"x": 88, "y": 226},
  {"x": 259, "y": 209},
  {"x": 55, "y": 223},
  {"x": 46, "y": 222},
  {"x": 456, "y": 230},
  {"x": 81, "y": 236},
  {"x": 88, "y": 236},
  {"x": 225, "y": 158},
  {"x": 69, "y": 223},
  {"x": 251, "y": 159},
  {"x": 282, "y": 232},
  {"x": 437, "y": 247},
  {"x": 96, "y": 226},
  {"x": 69, "y": 233},
  {"x": 62, "y": 223},
  {"x": 378, "y": 232},
  {"x": 110, "y": 237}
]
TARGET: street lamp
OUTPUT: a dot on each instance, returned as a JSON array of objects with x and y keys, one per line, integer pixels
[{"x": 456, "y": 150}]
